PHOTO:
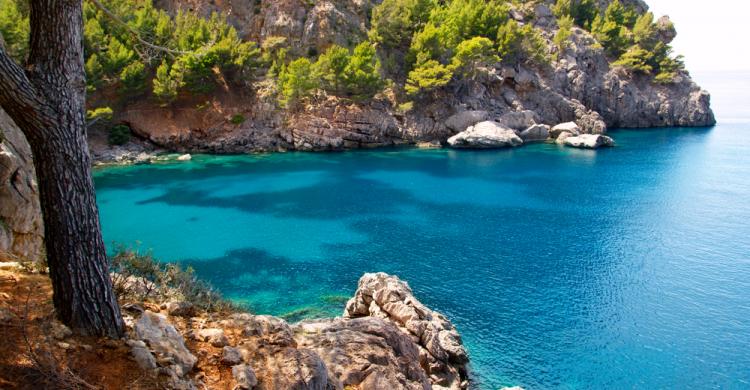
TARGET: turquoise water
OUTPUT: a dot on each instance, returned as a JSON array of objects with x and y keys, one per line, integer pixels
[{"x": 562, "y": 268}]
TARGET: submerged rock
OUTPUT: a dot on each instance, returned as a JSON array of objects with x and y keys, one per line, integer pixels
[
  {"x": 589, "y": 141},
  {"x": 485, "y": 135}
]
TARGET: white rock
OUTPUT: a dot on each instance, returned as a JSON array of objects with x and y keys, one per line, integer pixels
[
  {"x": 589, "y": 141},
  {"x": 185, "y": 157},
  {"x": 562, "y": 137},
  {"x": 485, "y": 135},
  {"x": 570, "y": 127}
]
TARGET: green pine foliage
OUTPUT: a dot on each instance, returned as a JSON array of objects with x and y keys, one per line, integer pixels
[
  {"x": 562, "y": 37},
  {"x": 630, "y": 38},
  {"x": 14, "y": 26},
  {"x": 583, "y": 12}
]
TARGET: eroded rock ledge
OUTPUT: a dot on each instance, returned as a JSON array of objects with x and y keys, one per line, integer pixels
[{"x": 386, "y": 339}]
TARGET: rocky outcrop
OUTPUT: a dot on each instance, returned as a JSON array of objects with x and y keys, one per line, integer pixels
[
  {"x": 386, "y": 339},
  {"x": 21, "y": 226},
  {"x": 589, "y": 141},
  {"x": 440, "y": 348},
  {"x": 485, "y": 135}
]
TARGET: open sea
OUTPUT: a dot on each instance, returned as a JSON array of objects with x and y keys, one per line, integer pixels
[{"x": 561, "y": 268}]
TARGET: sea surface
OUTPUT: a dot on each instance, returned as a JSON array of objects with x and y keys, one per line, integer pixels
[{"x": 562, "y": 269}]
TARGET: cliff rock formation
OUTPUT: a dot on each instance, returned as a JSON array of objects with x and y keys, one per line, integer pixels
[
  {"x": 21, "y": 227},
  {"x": 581, "y": 85}
]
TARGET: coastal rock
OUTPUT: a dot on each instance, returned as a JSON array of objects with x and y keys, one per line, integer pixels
[
  {"x": 164, "y": 339},
  {"x": 567, "y": 127},
  {"x": 21, "y": 226},
  {"x": 384, "y": 296},
  {"x": 589, "y": 141},
  {"x": 462, "y": 120},
  {"x": 184, "y": 157},
  {"x": 485, "y": 135},
  {"x": 518, "y": 120},
  {"x": 535, "y": 133},
  {"x": 562, "y": 137},
  {"x": 367, "y": 352}
]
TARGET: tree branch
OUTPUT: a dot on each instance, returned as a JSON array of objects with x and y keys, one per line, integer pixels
[{"x": 19, "y": 97}]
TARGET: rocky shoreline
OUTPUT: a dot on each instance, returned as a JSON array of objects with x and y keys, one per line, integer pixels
[{"x": 386, "y": 339}]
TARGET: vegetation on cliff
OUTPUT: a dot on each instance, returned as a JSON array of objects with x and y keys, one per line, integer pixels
[{"x": 413, "y": 46}]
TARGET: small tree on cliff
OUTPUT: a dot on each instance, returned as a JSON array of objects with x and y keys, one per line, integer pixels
[{"x": 46, "y": 98}]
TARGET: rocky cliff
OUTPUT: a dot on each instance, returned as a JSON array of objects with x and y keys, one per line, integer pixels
[
  {"x": 580, "y": 85},
  {"x": 21, "y": 228}
]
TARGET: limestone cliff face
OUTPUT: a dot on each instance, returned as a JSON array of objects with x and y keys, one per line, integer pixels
[
  {"x": 21, "y": 228},
  {"x": 581, "y": 86}
]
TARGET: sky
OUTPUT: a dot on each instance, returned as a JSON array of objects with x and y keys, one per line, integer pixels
[{"x": 712, "y": 35}]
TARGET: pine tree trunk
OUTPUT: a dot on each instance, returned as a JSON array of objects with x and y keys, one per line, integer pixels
[{"x": 47, "y": 101}]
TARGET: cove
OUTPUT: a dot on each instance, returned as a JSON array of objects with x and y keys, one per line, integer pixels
[{"x": 562, "y": 268}]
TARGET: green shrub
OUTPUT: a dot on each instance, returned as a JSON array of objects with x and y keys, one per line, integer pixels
[
  {"x": 427, "y": 77},
  {"x": 14, "y": 27},
  {"x": 141, "y": 278},
  {"x": 583, "y": 12},
  {"x": 119, "y": 135},
  {"x": 237, "y": 119},
  {"x": 562, "y": 37},
  {"x": 296, "y": 82}
]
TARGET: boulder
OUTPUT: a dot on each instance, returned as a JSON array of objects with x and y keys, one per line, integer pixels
[
  {"x": 518, "y": 120},
  {"x": 589, "y": 141},
  {"x": 384, "y": 296},
  {"x": 180, "y": 309},
  {"x": 184, "y": 157},
  {"x": 460, "y": 121},
  {"x": 244, "y": 376},
  {"x": 485, "y": 135},
  {"x": 535, "y": 133},
  {"x": 570, "y": 127},
  {"x": 162, "y": 337},
  {"x": 231, "y": 356}
]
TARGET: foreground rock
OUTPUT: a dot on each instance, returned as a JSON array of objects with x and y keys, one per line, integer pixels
[
  {"x": 21, "y": 227},
  {"x": 485, "y": 135},
  {"x": 386, "y": 339},
  {"x": 440, "y": 347},
  {"x": 589, "y": 141}
]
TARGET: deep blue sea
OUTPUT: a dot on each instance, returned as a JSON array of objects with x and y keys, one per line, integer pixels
[{"x": 562, "y": 268}]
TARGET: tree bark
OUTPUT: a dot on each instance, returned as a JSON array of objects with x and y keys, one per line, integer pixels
[{"x": 47, "y": 101}]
